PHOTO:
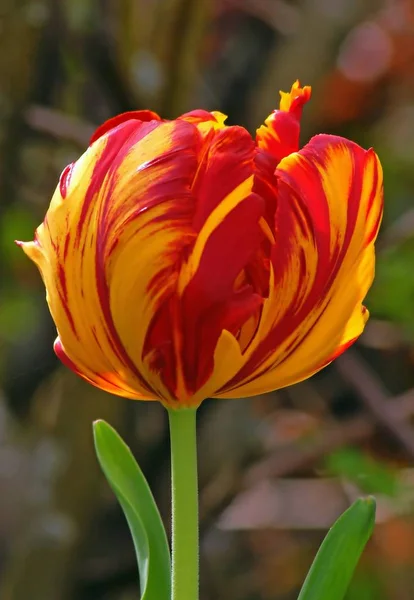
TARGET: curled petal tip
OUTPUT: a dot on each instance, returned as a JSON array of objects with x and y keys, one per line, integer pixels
[
  {"x": 279, "y": 136},
  {"x": 294, "y": 100},
  {"x": 220, "y": 117}
]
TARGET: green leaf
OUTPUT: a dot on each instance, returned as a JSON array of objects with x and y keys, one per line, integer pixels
[
  {"x": 135, "y": 497},
  {"x": 333, "y": 567}
]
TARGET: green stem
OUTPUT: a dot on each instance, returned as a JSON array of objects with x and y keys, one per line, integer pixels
[{"x": 184, "y": 504}]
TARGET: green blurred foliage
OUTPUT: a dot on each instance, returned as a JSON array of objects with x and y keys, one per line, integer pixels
[
  {"x": 369, "y": 474},
  {"x": 392, "y": 295}
]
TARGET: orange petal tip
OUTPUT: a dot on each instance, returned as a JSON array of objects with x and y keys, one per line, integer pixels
[{"x": 294, "y": 100}]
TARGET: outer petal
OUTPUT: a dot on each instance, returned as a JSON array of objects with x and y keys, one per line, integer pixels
[
  {"x": 329, "y": 211},
  {"x": 280, "y": 134},
  {"x": 206, "y": 122},
  {"x": 111, "y": 237},
  {"x": 215, "y": 118},
  {"x": 226, "y": 223},
  {"x": 132, "y": 115}
]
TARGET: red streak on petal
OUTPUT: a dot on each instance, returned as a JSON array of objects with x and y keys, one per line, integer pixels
[
  {"x": 69, "y": 316},
  {"x": 265, "y": 183},
  {"x": 111, "y": 331},
  {"x": 118, "y": 144},
  {"x": 61, "y": 275},
  {"x": 64, "y": 180},
  {"x": 133, "y": 115},
  {"x": 120, "y": 140},
  {"x": 225, "y": 165},
  {"x": 302, "y": 203},
  {"x": 105, "y": 381},
  {"x": 209, "y": 303},
  {"x": 63, "y": 296},
  {"x": 198, "y": 116},
  {"x": 66, "y": 244},
  {"x": 53, "y": 243},
  {"x": 230, "y": 316},
  {"x": 373, "y": 233},
  {"x": 176, "y": 166},
  {"x": 280, "y": 136},
  {"x": 159, "y": 345},
  {"x": 61, "y": 354}
]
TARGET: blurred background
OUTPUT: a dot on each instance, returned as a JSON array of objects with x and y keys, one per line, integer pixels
[{"x": 275, "y": 471}]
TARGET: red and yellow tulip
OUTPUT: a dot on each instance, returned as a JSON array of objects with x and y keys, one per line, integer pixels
[{"x": 184, "y": 259}]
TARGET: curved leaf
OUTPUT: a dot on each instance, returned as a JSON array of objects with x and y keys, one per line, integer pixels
[
  {"x": 333, "y": 567},
  {"x": 135, "y": 497}
]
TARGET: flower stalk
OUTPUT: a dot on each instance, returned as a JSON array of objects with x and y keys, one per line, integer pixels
[{"x": 185, "y": 543}]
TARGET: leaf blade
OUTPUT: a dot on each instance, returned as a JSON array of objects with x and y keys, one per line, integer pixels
[
  {"x": 339, "y": 553},
  {"x": 134, "y": 495}
]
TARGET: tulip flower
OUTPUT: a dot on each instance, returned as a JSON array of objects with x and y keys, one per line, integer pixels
[{"x": 183, "y": 259}]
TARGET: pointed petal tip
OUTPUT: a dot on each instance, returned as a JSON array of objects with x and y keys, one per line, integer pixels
[
  {"x": 294, "y": 100},
  {"x": 32, "y": 250},
  {"x": 279, "y": 135}
]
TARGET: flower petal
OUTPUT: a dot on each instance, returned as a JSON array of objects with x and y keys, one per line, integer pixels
[
  {"x": 132, "y": 115},
  {"x": 215, "y": 118},
  {"x": 280, "y": 134},
  {"x": 105, "y": 381},
  {"x": 328, "y": 215},
  {"x": 105, "y": 250},
  {"x": 227, "y": 226},
  {"x": 206, "y": 122}
]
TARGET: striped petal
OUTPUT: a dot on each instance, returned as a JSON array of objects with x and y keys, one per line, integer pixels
[
  {"x": 214, "y": 119},
  {"x": 328, "y": 214},
  {"x": 183, "y": 260},
  {"x": 132, "y": 115},
  {"x": 117, "y": 222},
  {"x": 227, "y": 223},
  {"x": 206, "y": 122},
  {"x": 279, "y": 136}
]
